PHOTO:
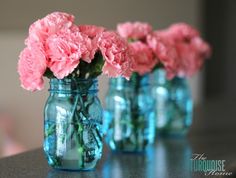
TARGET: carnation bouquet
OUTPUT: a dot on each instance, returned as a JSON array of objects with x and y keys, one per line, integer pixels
[
  {"x": 71, "y": 56},
  {"x": 179, "y": 52},
  {"x": 131, "y": 118},
  {"x": 178, "y": 49},
  {"x": 56, "y": 47}
]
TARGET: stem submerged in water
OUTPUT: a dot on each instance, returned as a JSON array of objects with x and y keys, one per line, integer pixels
[
  {"x": 71, "y": 133},
  {"x": 135, "y": 82},
  {"x": 80, "y": 115}
]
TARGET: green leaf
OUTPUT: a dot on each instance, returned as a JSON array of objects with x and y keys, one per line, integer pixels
[
  {"x": 49, "y": 74},
  {"x": 83, "y": 68},
  {"x": 158, "y": 66},
  {"x": 95, "y": 68},
  {"x": 80, "y": 128}
]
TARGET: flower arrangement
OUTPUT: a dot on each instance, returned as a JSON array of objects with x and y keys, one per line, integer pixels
[
  {"x": 133, "y": 114},
  {"x": 143, "y": 60},
  {"x": 56, "y": 47},
  {"x": 72, "y": 56},
  {"x": 171, "y": 54},
  {"x": 59, "y": 49},
  {"x": 178, "y": 49}
]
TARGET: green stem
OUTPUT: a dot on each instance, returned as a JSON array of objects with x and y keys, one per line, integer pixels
[
  {"x": 78, "y": 125},
  {"x": 78, "y": 130},
  {"x": 135, "y": 108}
]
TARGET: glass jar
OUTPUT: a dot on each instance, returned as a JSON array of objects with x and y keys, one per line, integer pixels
[
  {"x": 129, "y": 114},
  {"x": 173, "y": 104},
  {"x": 72, "y": 124}
]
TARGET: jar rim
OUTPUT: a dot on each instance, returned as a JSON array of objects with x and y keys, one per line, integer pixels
[
  {"x": 69, "y": 80},
  {"x": 73, "y": 86}
]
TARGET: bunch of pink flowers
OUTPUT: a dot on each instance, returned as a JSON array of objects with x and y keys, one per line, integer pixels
[
  {"x": 56, "y": 45},
  {"x": 143, "y": 60},
  {"x": 178, "y": 49}
]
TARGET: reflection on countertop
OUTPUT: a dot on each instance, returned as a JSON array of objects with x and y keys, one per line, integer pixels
[{"x": 167, "y": 156}]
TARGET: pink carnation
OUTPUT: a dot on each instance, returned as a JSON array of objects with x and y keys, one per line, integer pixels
[
  {"x": 164, "y": 48},
  {"x": 192, "y": 56},
  {"x": 54, "y": 42},
  {"x": 144, "y": 60},
  {"x": 89, "y": 47},
  {"x": 65, "y": 51},
  {"x": 40, "y": 30},
  {"x": 91, "y": 30},
  {"x": 31, "y": 67},
  {"x": 191, "y": 49},
  {"x": 182, "y": 31},
  {"x": 204, "y": 49},
  {"x": 136, "y": 30},
  {"x": 116, "y": 53}
]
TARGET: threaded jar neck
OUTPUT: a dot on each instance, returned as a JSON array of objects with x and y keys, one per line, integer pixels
[
  {"x": 136, "y": 80},
  {"x": 76, "y": 86},
  {"x": 159, "y": 77}
]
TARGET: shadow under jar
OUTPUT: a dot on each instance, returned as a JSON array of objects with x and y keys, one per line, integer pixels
[
  {"x": 72, "y": 124},
  {"x": 173, "y": 104},
  {"x": 129, "y": 117}
]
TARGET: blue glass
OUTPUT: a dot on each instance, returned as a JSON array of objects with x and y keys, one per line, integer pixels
[
  {"x": 72, "y": 125},
  {"x": 129, "y": 115},
  {"x": 173, "y": 104}
]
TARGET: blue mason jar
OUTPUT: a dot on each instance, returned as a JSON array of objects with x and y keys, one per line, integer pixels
[
  {"x": 129, "y": 114},
  {"x": 72, "y": 124},
  {"x": 174, "y": 105}
]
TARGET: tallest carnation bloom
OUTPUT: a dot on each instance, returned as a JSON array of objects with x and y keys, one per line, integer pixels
[
  {"x": 53, "y": 23},
  {"x": 41, "y": 52}
]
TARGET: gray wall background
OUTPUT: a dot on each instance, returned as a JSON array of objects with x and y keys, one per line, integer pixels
[
  {"x": 15, "y": 17},
  {"x": 220, "y": 32}
]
